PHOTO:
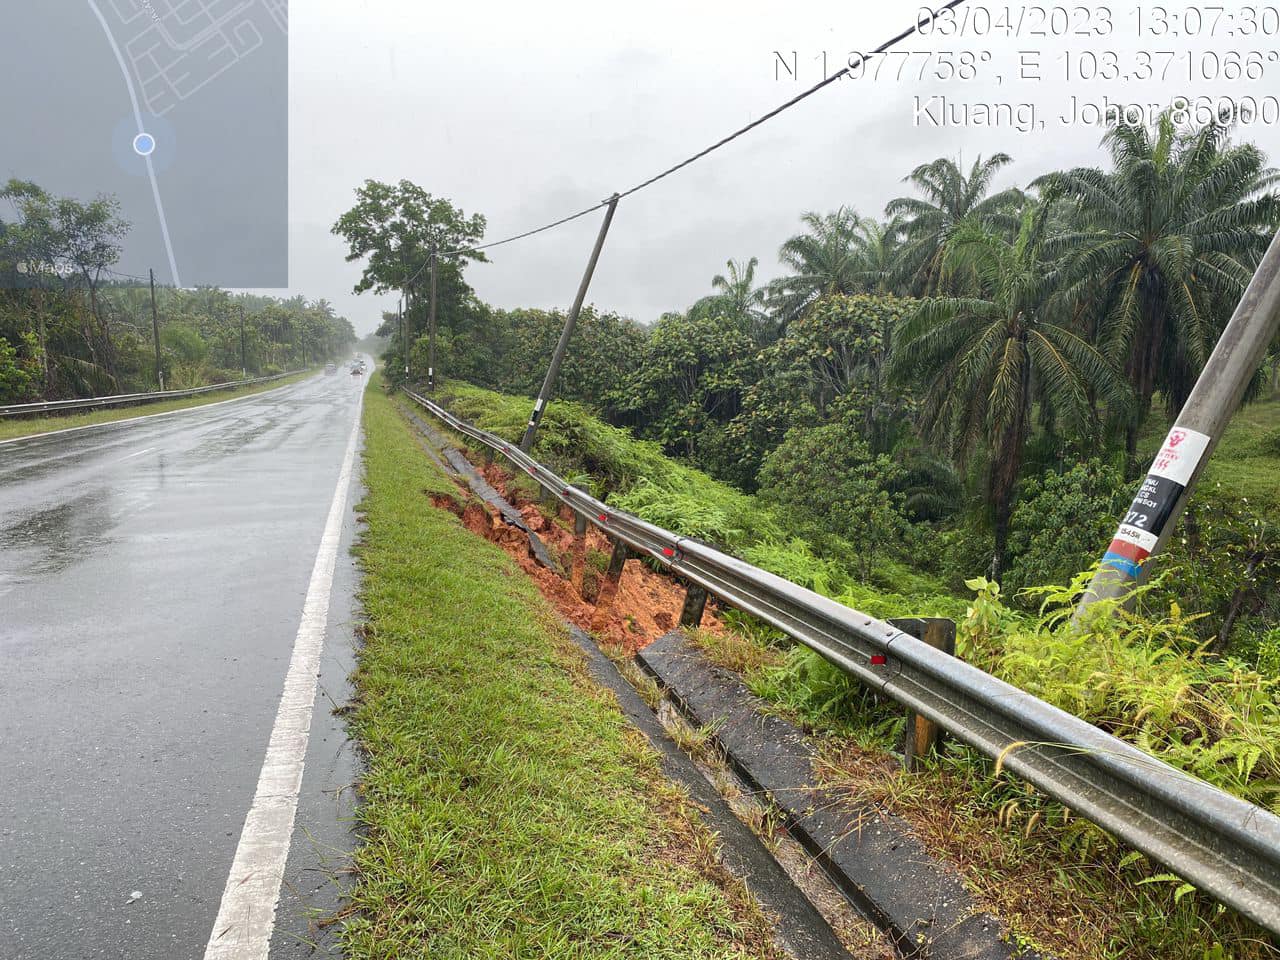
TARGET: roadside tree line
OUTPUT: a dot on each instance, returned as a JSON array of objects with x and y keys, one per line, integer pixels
[
  {"x": 72, "y": 326},
  {"x": 934, "y": 382}
]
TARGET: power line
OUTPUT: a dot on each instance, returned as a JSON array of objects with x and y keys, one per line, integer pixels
[{"x": 849, "y": 68}]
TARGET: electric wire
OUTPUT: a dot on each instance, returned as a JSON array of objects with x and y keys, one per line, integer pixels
[{"x": 854, "y": 64}]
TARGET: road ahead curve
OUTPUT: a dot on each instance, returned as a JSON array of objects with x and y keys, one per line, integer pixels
[{"x": 153, "y": 575}]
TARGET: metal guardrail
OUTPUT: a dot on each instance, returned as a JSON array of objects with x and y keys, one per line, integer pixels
[
  {"x": 1228, "y": 848},
  {"x": 125, "y": 399}
]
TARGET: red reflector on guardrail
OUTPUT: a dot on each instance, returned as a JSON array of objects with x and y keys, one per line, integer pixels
[
  {"x": 668, "y": 551},
  {"x": 879, "y": 659},
  {"x": 603, "y": 518}
]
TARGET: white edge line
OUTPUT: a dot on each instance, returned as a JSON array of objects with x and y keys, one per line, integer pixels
[
  {"x": 152, "y": 416},
  {"x": 246, "y": 917}
]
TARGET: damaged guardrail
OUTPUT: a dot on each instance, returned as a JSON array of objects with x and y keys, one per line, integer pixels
[
  {"x": 1228, "y": 848},
  {"x": 125, "y": 399}
]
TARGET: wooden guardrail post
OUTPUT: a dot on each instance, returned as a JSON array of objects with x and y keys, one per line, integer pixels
[
  {"x": 695, "y": 603},
  {"x": 922, "y": 735}
]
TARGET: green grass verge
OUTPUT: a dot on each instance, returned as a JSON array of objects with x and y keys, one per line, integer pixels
[
  {"x": 509, "y": 808},
  {"x": 12, "y": 429},
  {"x": 1246, "y": 461}
]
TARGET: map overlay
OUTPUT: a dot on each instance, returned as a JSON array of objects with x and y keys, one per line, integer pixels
[{"x": 178, "y": 108}]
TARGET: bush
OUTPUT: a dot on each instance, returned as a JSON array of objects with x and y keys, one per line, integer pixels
[
  {"x": 1063, "y": 522},
  {"x": 834, "y": 488}
]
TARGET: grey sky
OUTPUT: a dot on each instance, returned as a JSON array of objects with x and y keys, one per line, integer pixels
[{"x": 525, "y": 112}]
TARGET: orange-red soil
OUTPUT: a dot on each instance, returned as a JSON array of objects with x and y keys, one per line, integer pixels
[{"x": 639, "y": 609}]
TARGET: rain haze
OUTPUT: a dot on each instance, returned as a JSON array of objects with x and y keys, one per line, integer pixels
[{"x": 526, "y": 113}]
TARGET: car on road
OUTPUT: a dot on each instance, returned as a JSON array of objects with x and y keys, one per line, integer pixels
[
  {"x": 330, "y": 368},
  {"x": 357, "y": 371}
]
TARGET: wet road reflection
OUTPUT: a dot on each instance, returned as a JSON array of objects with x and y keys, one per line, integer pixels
[{"x": 151, "y": 582}]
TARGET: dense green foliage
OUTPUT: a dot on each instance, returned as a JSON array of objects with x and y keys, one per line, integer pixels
[
  {"x": 1145, "y": 676},
  {"x": 70, "y": 326},
  {"x": 968, "y": 353}
]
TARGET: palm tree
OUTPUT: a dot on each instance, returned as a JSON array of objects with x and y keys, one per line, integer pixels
[
  {"x": 738, "y": 298},
  {"x": 824, "y": 260},
  {"x": 981, "y": 362},
  {"x": 1162, "y": 250},
  {"x": 950, "y": 199}
]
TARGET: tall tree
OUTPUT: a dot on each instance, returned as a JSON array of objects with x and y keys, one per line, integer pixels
[
  {"x": 826, "y": 259},
  {"x": 394, "y": 228},
  {"x": 738, "y": 298},
  {"x": 1164, "y": 247},
  {"x": 949, "y": 199},
  {"x": 981, "y": 361}
]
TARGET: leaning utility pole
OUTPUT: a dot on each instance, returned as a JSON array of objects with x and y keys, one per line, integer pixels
[
  {"x": 155, "y": 330},
  {"x": 431, "y": 333},
  {"x": 548, "y": 384},
  {"x": 1215, "y": 397}
]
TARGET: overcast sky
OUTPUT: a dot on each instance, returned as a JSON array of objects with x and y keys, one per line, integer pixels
[{"x": 525, "y": 112}]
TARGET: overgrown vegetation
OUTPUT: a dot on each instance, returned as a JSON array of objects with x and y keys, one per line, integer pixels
[
  {"x": 71, "y": 326},
  {"x": 1145, "y": 676},
  {"x": 986, "y": 368},
  {"x": 509, "y": 808}
]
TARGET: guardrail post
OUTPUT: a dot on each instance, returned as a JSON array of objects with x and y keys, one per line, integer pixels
[
  {"x": 695, "y": 604},
  {"x": 617, "y": 560},
  {"x": 579, "y": 524},
  {"x": 922, "y": 735}
]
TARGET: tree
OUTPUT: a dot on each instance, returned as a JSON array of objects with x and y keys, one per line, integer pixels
[
  {"x": 835, "y": 490},
  {"x": 831, "y": 363},
  {"x": 690, "y": 383},
  {"x": 1165, "y": 245},
  {"x": 950, "y": 200},
  {"x": 824, "y": 260},
  {"x": 738, "y": 298},
  {"x": 980, "y": 362},
  {"x": 394, "y": 228}
]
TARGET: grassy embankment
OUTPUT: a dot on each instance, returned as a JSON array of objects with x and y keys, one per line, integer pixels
[
  {"x": 509, "y": 808},
  {"x": 12, "y": 429},
  {"x": 1247, "y": 461},
  {"x": 1062, "y": 883}
]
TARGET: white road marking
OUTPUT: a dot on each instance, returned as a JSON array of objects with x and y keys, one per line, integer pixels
[
  {"x": 246, "y": 918},
  {"x": 153, "y": 416},
  {"x": 132, "y": 455}
]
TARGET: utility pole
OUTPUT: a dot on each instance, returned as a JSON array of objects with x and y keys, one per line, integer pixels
[
  {"x": 1154, "y": 513},
  {"x": 244, "y": 363},
  {"x": 155, "y": 330},
  {"x": 407, "y": 326},
  {"x": 431, "y": 334},
  {"x": 548, "y": 384},
  {"x": 404, "y": 344}
]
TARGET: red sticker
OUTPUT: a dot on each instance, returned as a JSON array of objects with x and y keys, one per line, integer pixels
[{"x": 879, "y": 659}]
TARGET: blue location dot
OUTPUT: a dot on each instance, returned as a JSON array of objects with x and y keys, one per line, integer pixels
[{"x": 144, "y": 144}]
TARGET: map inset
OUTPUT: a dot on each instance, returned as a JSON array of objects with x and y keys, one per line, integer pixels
[{"x": 179, "y": 108}]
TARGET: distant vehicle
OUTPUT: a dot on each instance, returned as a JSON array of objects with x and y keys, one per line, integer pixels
[
  {"x": 357, "y": 371},
  {"x": 330, "y": 368}
]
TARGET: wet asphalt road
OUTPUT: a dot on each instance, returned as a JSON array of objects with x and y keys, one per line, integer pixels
[{"x": 152, "y": 578}]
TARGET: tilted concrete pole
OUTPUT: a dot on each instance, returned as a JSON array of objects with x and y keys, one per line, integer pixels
[
  {"x": 1151, "y": 519},
  {"x": 549, "y": 383}
]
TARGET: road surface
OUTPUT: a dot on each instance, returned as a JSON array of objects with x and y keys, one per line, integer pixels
[{"x": 153, "y": 577}]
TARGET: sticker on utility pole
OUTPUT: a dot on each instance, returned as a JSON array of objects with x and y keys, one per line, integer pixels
[
  {"x": 1180, "y": 455},
  {"x": 1149, "y": 514}
]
